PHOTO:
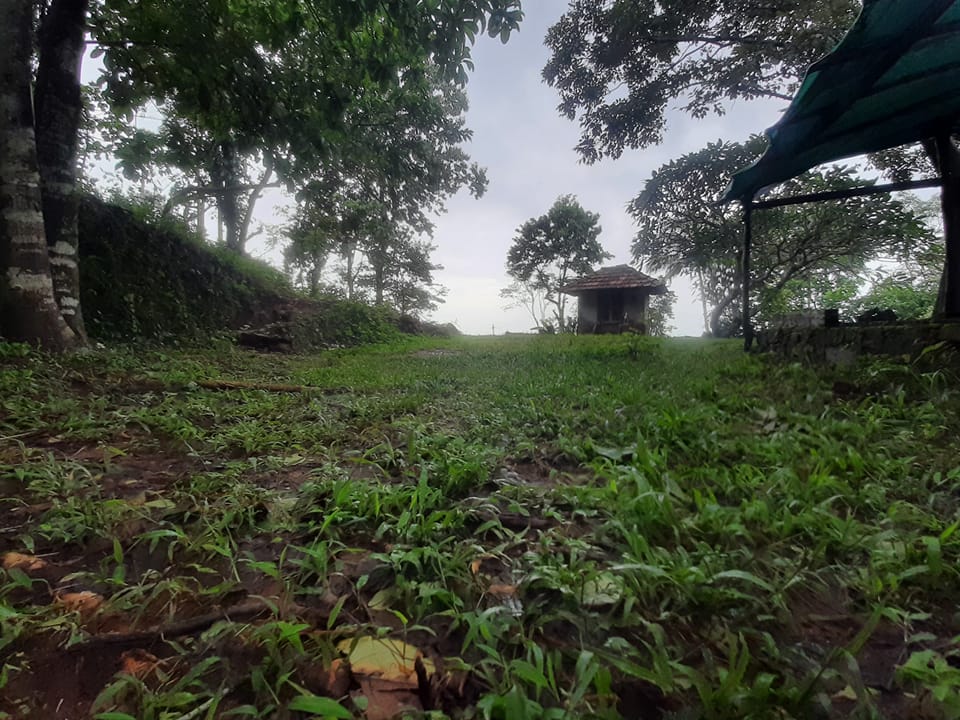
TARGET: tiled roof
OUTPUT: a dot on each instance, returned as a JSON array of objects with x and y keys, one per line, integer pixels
[{"x": 618, "y": 276}]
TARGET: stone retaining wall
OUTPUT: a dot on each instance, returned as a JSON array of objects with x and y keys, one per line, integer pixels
[{"x": 843, "y": 344}]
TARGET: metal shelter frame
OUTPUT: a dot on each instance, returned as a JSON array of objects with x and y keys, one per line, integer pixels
[
  {"x": 950, "y": 197},
  {"x": 891, "y": 81}
]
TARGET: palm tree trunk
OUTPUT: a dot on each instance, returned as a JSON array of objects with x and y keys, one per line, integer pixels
[
  {"x": 57, "y": 112},
  {"x": 28, "y": 308}
]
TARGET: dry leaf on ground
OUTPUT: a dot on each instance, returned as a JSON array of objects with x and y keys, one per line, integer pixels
[
  {"x": 333, "y": 681},
  {"x": 86, "y": 603},
  {"x": 138, "y": 663},
  {"x": 387, "y": 699},
  {"x": 386, "y": 671},
  {"x": 384, "y": 658},
  {"x": 27, "y": 563}
]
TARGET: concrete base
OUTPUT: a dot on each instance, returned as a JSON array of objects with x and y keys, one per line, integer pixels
[{"x": 844, "y": 344}]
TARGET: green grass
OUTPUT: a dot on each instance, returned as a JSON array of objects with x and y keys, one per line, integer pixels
[{"x": 568, "y": 527}]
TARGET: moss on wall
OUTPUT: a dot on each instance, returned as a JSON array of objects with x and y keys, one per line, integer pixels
[{"x": 142, "y": 281}]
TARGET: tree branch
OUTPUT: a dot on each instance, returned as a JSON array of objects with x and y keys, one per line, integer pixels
[{"x": 187, "y": 193}]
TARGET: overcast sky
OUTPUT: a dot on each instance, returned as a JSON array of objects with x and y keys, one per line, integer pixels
[{"x": 527, "y": 148}]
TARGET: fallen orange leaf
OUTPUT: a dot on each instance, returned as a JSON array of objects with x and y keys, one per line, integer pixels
[
  {"x": 387, "y": 699},
  {"x": 138, "y": 663},
  {"x": 86, "y": 603},
  {"x": 27, "y": 563}
]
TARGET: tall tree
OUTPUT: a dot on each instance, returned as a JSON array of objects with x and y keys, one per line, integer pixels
[
  {"x": 28, "y": 307},
  {"x": 398, "y": 159},
  {"x": 308, "y": 245},
  {"x": 57, "y": 116},
  {"x": 552, "y": 249},
  {"x": 682, "y": 229},
  {"x": 405, "y": 279}
]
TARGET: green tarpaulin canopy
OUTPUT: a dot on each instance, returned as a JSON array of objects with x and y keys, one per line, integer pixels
[{"x": 894, "y": 79}]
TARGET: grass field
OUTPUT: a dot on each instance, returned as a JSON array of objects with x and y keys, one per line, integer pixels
[{"x": 505, "y": 528}]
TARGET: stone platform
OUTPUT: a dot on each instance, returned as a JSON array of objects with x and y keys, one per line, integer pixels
[{"x": 843, "y": 344}]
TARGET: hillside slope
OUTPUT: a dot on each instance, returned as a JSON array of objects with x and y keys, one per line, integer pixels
[{"x": 144, "y": 282}]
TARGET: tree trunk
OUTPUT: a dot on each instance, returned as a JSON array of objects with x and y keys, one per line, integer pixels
[
  {"x": 226, "y": 179},
  {"x": 28, "y": 308},
  {"x": 350, "y": 249},
  {"x": 561, "y": 302},
  {"x": 703, "y": 302},
  {"x": 378, "y": 283},
  {"x": 57, "y": 114},
  {"x": 318, "y": 263},
  {"x": 718, "y": 311},
  {"x": 377, "y": 257},
  {"x": 201, "y": 226},
  {"x": 230, "y": 209},
  {"x": 255, "y": 194}
]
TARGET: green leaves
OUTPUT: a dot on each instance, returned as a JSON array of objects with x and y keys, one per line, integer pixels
[
  {"x": 620, "y": 65},
  {"x": 320, "y": 707},
  {"x": 552, "y": 250},
  {"x": 302, "y": 88}
]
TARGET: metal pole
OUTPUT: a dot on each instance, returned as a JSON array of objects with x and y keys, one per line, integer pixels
[
  {"x": 745, "y": 273},
  {"x": 951, "y": 225},
  {"x": 848, "y": 193}
]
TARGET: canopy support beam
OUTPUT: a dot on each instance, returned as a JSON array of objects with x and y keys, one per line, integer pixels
[
  {"x": 745, "y": 273},
  {"x": 950, "y": 197},
  {"x": 848, "y": 193}
]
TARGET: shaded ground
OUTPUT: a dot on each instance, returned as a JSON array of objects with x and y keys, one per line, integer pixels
[{"x": 553, "y": 528}]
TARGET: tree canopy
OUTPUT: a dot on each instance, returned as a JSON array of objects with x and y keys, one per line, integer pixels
[
  {"x": 619, "y": 65},
  {"x": 551, "y": 250},
  {"x": 286, "y": 75},
  {"x": 399, "y": 156}
]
